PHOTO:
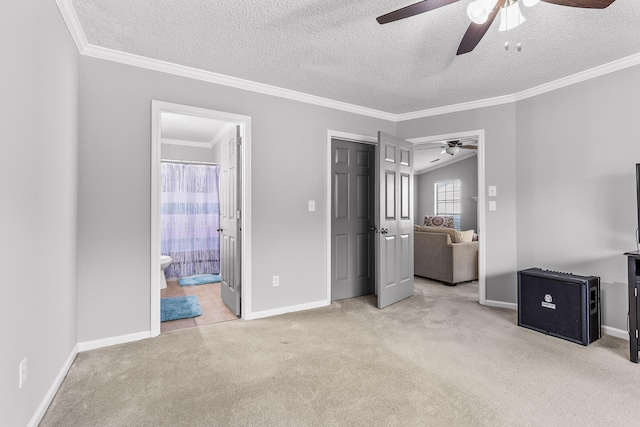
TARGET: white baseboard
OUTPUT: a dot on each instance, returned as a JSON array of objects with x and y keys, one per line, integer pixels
[
  {"x": 283, "y": 310},
  {"x": 106, "y": 342},
  {"x": 615, "y": 332},
  {"x": 48, "y": 398},
  {"x": 501, "y": 304}
]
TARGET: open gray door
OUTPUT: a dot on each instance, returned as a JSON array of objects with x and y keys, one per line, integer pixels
[
  {"x": 230, "y": 222},
  {"x": 352, "y": 247},
  {"x": 394, "y": 219}
]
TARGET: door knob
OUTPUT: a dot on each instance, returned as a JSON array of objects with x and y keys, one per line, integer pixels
[
  {"x": 220, "y": 230},
  {"x": 372, "y": 228}
]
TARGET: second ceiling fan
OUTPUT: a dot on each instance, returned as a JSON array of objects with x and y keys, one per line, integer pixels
[
  {"x": 451, "y": 147},
  {"x": 481, "y": 10}
]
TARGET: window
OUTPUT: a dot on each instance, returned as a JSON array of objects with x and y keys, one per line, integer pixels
[{"x": 447, "y": 199}]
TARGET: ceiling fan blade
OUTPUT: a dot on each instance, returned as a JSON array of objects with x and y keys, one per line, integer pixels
[
  {"x": 475, "y": 32},
  {"x": 586, "y": 4},
  {"x": 443, "y": 151},
  {"x": 469, "y": 147},
  {"x": 414, "y": 9},
  {"x": 429, "y": 148}
]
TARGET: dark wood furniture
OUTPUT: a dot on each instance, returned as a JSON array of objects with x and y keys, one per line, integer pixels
[{"x": 633, "y": 259}]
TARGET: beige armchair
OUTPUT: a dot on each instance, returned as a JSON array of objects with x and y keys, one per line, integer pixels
[{"x": 437, "y": 257}]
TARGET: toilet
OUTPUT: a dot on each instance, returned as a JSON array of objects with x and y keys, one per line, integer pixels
[{"x": 165, "y": 261}]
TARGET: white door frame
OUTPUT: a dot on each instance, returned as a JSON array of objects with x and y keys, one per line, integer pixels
[
  {"x": 362, "y": 139},
  {"x": 157, "y": 108},
  {"x": 482, "y": 266}
]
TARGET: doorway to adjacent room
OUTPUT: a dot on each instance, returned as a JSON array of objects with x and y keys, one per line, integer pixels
[
  {"x": 218, "y": 141},
  {"x": 478, "y": 136}
]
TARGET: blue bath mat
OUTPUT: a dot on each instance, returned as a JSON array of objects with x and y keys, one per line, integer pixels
[
  {"x": 199, "y": 280},
  {"x": 179, "y": 308}
]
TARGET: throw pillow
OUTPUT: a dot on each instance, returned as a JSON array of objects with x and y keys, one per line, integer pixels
[
  {"x": 466, "y": 236},
  {"x": 439, "y": 221}
]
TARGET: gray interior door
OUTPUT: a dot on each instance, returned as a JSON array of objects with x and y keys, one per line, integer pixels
[
  {"x": 352, "y": 249},
  {"x": 229, "y": 189},
  {"x": 394, "y": 219}
]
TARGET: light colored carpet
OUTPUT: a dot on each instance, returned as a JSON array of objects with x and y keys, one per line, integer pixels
[{"x": 436, "y": 359}]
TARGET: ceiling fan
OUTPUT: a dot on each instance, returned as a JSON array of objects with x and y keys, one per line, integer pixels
[
  {"x": 451, "y": 147},
  {"x": 482, "y": 13}
]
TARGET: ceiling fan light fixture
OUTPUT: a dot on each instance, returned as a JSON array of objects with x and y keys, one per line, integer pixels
[
  {"x": 452, "y": 150},
  {"x": 510, "y": 16},
  {"x": 478, "y": 11},
  {"x": 530, "y": 3}
]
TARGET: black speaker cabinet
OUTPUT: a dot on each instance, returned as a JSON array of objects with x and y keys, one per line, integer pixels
[{"x": 560, "y": 304}]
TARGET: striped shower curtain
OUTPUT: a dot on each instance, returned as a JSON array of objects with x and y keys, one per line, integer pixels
[{"x": 190, "y": 218}]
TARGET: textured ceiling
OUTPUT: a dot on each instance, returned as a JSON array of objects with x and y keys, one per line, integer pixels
[{"x": 335, "y": 48}]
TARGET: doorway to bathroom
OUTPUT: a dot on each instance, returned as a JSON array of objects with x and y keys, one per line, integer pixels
[
  {"x": 190, "y": 233},
  {"x": 197, "y": 204}
]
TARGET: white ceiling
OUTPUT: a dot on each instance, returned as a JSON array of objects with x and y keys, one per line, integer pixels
[
  {"x": 335, "y": 48},
  {"x": 183, "y": 127},
  {"x": 429, "y": 156}
]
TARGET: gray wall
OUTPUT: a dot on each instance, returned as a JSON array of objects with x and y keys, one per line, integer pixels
[
  {"x": 499, "y": 123},
  {"x": 288, "y": 169},
  {"x": 569, "y": 157},
  {"x": 114, "y": 119},
  {"x": 38, "y": 183},
  {"x": 466, "y": 171},
  {"x": 576, "y": 155}
]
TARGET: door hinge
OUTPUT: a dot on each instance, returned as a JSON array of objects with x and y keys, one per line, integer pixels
[
  {"x": 636, "y": 334},
  {"x": 636, "y": 292},
  {"x": 239, "y": 140},
  {"x": 238, "y": 215}
]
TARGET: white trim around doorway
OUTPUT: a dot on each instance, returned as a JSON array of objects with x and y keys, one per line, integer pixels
[
  {"x": 157, "y": 108},
  {"x": 479, "y": 134}
]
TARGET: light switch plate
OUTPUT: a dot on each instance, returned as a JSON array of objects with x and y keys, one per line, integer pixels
[
  {"x": 492, "y": 205},
  {"x": 493, "y": 192},
  {"x": 312, "y": 205}
]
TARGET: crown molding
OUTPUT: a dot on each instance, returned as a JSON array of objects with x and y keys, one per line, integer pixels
[
  {"x": 71, "y": 19},
  {"x": 224, "y": 80},
  {"x": 600, "y": 70},
  {"x": 455, "y": 108}
]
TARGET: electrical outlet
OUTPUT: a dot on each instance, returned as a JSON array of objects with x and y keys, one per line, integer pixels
[
  {"x": 276, "y": 281},
  {"x": 23, "y": 372}
]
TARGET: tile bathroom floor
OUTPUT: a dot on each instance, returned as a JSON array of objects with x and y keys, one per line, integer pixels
[{"x": 213, "y": 309}]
